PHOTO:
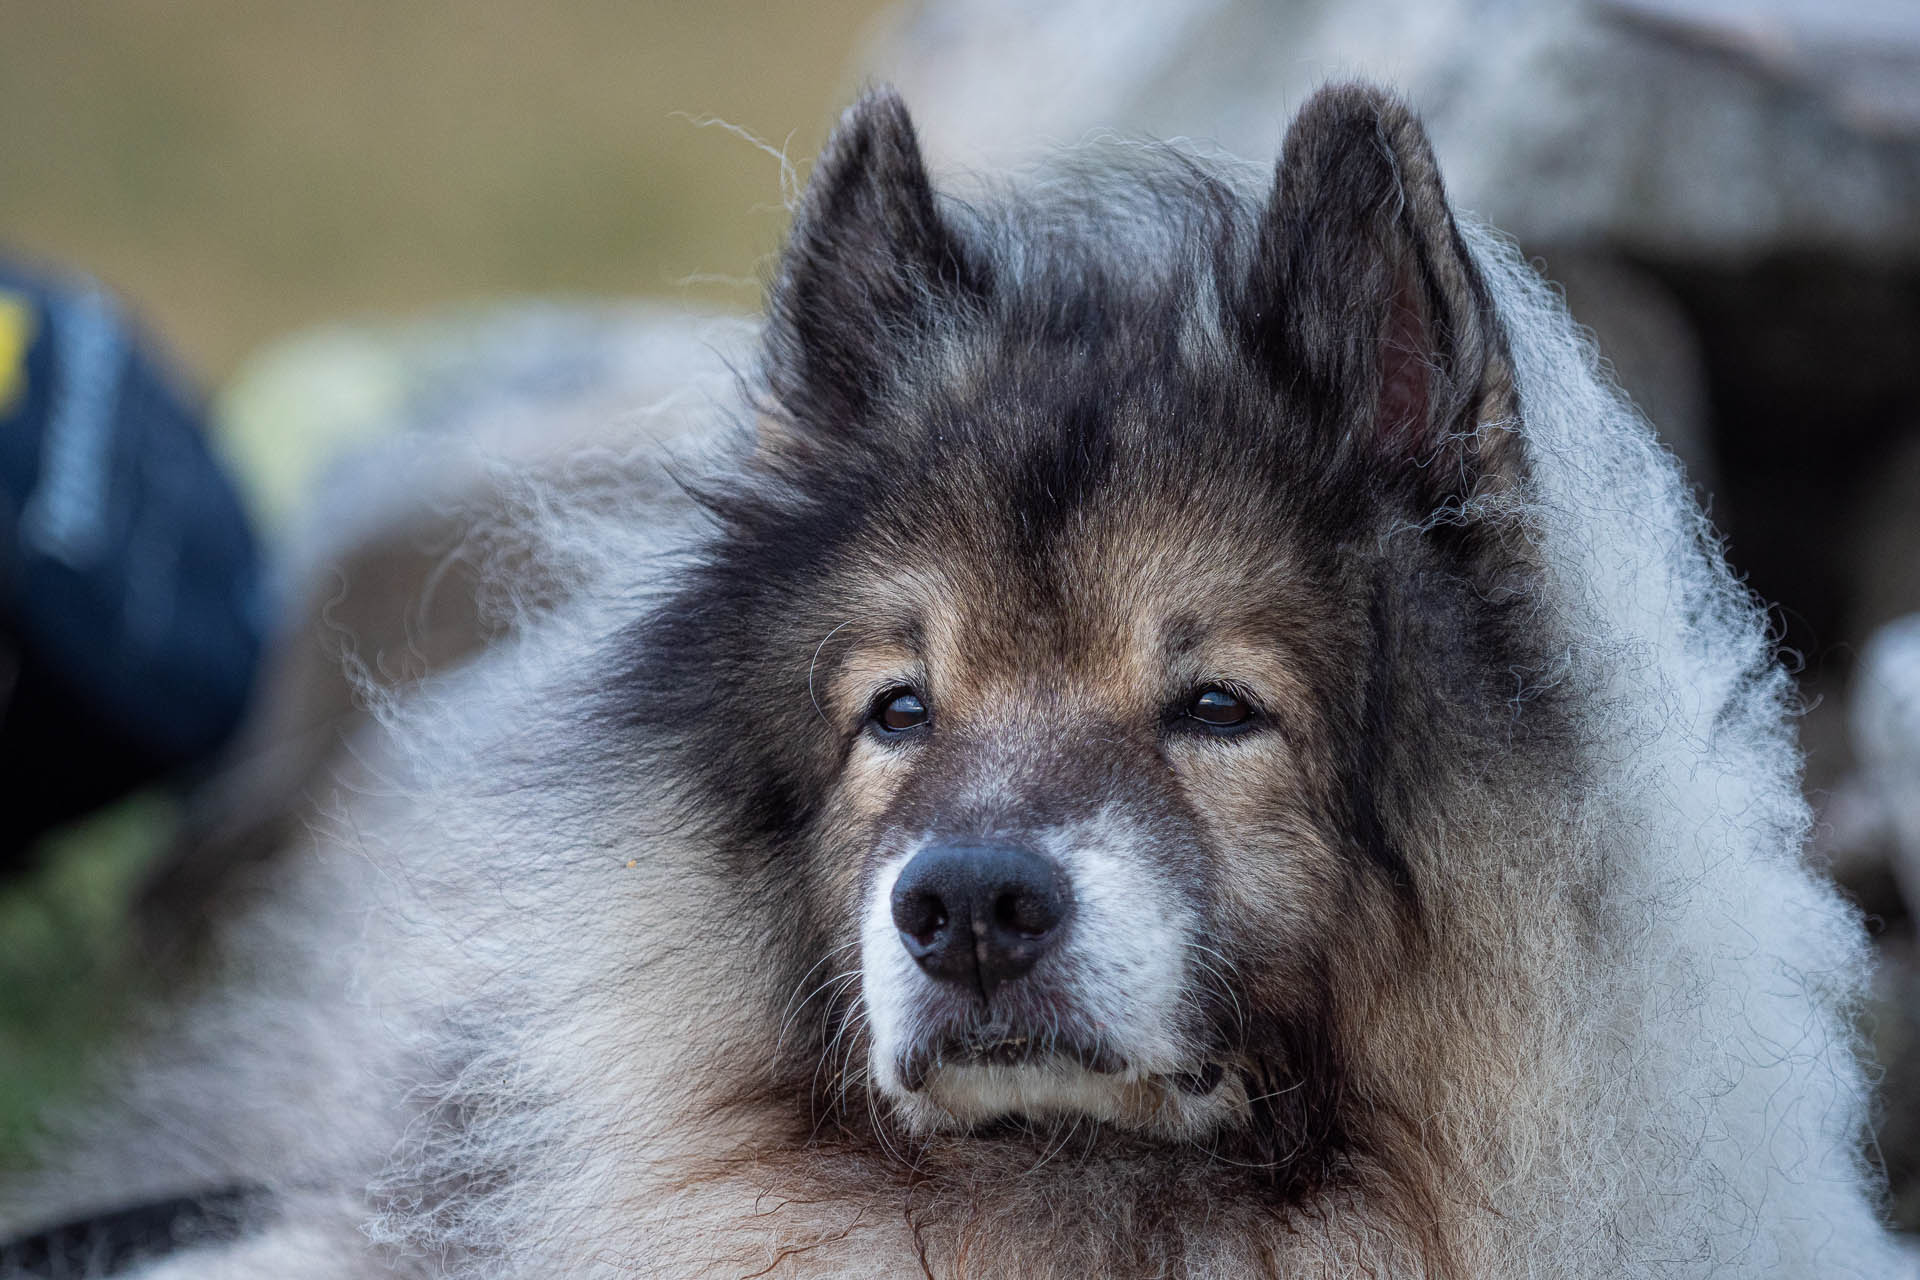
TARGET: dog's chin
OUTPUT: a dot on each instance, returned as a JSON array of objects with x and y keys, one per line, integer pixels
[{"x": 979, "y": 1095}]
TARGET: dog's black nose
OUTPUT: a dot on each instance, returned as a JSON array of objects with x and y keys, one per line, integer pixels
[{"x": 979, "y": 914}]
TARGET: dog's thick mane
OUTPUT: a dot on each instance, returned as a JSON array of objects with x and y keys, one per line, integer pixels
[{"x": 511, "y": 992}]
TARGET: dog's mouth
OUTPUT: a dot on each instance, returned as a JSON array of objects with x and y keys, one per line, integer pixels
[
  {"x": 1041, "y": 1055},
  {"x": 1006, "y": 1049},
  {"x": 1005, "y": 1086}
]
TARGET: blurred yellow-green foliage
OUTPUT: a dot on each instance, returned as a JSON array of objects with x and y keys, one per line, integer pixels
[
  {"x": 242, "y": 168},
  {"x": 64, "y": 966}
]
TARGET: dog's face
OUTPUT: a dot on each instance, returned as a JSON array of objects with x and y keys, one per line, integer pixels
[
  {"x": 1082, "y": 810},
  {"x": 1076, "y": 632}
]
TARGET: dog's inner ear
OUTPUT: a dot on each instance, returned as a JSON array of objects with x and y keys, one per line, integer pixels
[
  {"x": 1407, "y": 368},
  {"x": 872, "y": 277},
  {"x": 1362, "y": 297}
]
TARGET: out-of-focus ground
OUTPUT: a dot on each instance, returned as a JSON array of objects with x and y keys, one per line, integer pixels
[{"x": 240, "y": 170}]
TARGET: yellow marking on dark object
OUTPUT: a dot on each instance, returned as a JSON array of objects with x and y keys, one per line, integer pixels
[{"x": 17, "y": 326}]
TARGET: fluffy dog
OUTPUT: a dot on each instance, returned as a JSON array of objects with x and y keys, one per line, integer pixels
[{"x": 1188, "y": 732}]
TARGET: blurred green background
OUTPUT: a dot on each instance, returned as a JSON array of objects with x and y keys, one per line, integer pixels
[{"x": 239, "y": 169}]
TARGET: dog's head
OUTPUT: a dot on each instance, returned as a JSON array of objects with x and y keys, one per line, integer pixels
[{"x": 1081, "y": 636}]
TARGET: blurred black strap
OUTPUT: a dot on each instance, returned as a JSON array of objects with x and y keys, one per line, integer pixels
[{"x": 108, "y": 1243}]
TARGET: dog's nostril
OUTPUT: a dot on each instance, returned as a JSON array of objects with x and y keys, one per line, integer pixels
[
  {"x": 929, "y": 933},
  {"x": 1025, "y": 914},
  {"x": 978, "y": 915},
  {"x": 920, "y": 916}
]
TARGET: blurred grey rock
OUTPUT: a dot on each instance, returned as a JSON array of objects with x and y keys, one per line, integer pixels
[
  {"x": 1696, "y": 128},
  {"x": 1655, "y": 354},
  {"x": 1885, "y": 712},
  {"x": 1885, "y": 548},
  {"x": 1862, "y": 56}
]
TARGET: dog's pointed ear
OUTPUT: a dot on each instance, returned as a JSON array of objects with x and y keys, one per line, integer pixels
[
  {"x": 871, "y": 273},
  {"x": 1364, "y": 299}
]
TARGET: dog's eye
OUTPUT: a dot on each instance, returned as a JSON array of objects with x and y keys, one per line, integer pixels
[
  {"x": 1219, "y": 708},
  {"x": 898, "y": 710}
]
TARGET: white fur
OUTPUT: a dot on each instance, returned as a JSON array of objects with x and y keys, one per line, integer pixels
[{"x": 888, "y": 979}]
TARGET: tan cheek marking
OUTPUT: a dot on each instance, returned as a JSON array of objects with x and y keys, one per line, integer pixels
[
  {"x": 1255, "y": 803},
  {"x": 860, "y": 798},
  {"x": 1257, "y": 797},
  {"x": 872, "y": 778},
  {"x": 1275, "y": 854}
]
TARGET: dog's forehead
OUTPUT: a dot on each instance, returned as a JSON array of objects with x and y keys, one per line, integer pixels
[{"x": 1124, "y": 594}]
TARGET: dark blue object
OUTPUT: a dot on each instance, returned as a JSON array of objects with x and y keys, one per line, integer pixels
[
  {"x": 130, "y": 618},
  {"x": 110, "y": 1243}
]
